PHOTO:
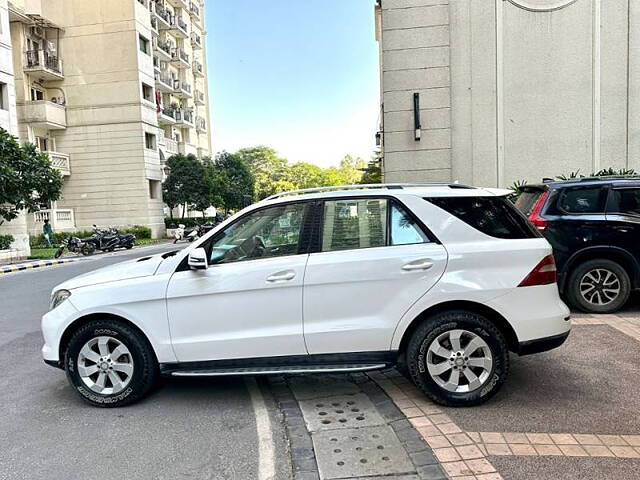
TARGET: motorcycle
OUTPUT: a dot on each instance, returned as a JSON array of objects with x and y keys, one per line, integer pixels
[
  {"x": 103, "y": 241},
  {"x": 75, "y": 245},
  {"x": 190, "y": 234},
  {"x": 125, "y": 240}
]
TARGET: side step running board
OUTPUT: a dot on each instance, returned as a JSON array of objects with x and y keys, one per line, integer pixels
[{"x": 276, "y": 370}]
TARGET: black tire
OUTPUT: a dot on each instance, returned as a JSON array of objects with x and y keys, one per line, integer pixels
[
  {"x": 145, "y": 371},
  {"x": 58, "y": 253},
  {"x": 87, "y": 250},
  {"x": 439, "y": 324},
  {"x": 577, "y": 300},
  {"x": 129, "y": 246}
]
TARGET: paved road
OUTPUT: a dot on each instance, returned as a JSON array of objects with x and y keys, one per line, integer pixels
[{"x": 189, "y": 428}]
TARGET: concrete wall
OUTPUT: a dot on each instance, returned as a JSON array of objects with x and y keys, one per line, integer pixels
[{"x": 517, "y": 89}]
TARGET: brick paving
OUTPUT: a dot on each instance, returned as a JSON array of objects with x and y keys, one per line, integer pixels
[{"x": 463, "y": 454}]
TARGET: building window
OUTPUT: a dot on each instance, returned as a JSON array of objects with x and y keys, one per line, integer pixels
[
  {"x": 36, "y": 94},
  {"x": 4, "y": 98},
  {"x": 42, "y": 143},
  {"x": 147, "y": 92},
  {"x": 154, "y": 189},
  {"x": 144, "y": 45},
  {"x": 149, "y": 141}
]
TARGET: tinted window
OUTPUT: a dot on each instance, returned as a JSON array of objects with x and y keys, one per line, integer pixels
[
  {"x": 271, "y": 232},
  {"x": 493, "y": 216},
  {"x": 583, "y": 200},
  {"x": 404, "y": 230},
  {"x": 357, "y": 223},
  {"x": 626, "y": 200},
  {"x": 527, "y": 200}
]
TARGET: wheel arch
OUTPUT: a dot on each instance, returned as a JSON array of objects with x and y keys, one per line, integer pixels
[
  {"x": 489, "y": 313},
  {"x": 615, "y": 254},
  {"x": 80, "y": 321}
]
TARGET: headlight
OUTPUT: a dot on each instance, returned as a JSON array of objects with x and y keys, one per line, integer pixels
[{"x": 58, "y": 297}]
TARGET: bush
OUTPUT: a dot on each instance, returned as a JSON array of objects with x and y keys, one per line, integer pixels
[
  {"x": 6, "y": 241},
  {"x": 139, "y": 232},
  {"x": 38, "y": 241},
  {"x": 188, "y": 222}
]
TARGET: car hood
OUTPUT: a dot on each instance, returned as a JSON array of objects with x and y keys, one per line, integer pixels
[{"x": 139, "y": 267}]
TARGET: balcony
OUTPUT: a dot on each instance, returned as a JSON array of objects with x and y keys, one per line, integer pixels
[
  {"x": 163, "y": 49},
  {"x": 184, "y": 118},
  {"x": 155, "y": 31},
  {"x": 199, "y": 97},
  {"x": 43, "y": 64},
  {"x": 179, "y": 27},
  {"x": 169, "y": 146},
  {"x": 201, "y": 125},
  {"x": 179, "y": 3},
  {"x": 43, "y": 114},
  {"x": 61, "y": 162},
  {"x": 194, "y": 10},
  {"x": 59, "y": 218},
  {"x": 182, "y": 89},
  {"x": 198, "y": 69},
  {"x": 164, "y": 82},
  {"x": 167, "y": 116},
  {"x": 162, "y": 15},
  {"x": 156, "y": 64},
  {"x": 196, "y": 41},
  {"x": 180, "y": 58}
]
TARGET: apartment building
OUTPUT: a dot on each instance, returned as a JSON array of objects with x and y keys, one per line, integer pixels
[
  {"x": 110, "y": 89},
  {"x": 493, "y": 91}
]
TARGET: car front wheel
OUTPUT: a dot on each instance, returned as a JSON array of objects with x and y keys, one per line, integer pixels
[
  {"x": 458, "y": 358},
  {"x": 599, "y": 286},
  {"x": 110, "y": 364}
]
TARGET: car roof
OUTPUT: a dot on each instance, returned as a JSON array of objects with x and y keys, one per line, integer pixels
[
  {"x": 587, "y": 182},
  {"x": 387, "y": 189}
]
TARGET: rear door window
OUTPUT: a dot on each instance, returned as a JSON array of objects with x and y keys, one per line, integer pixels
[
  {"x": 493, "y": 216},
  {"x": 625, "y": 201},
  {"x": 583, "y": 200}
]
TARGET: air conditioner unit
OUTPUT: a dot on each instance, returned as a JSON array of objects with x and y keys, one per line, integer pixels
[
  {"x": 37, "y": 31},
  {"x": 58, "y": 100}
]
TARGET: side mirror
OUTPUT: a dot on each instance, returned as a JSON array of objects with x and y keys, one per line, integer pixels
[{"x": 198, "y": 259}]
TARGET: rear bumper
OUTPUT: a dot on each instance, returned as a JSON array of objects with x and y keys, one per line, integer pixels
[{"x": 542, "y": 344}]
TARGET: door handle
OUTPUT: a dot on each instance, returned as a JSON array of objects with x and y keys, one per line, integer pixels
[
  {"x": 281, "y": 276},
  {"x": 422, "y": 264}
]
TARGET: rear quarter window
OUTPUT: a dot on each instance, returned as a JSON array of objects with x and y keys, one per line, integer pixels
[
  {"x": 527, "y": 200},
  {"x": 493, "y": 216}
]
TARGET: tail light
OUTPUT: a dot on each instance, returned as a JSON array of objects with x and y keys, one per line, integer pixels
[
  {"x": 534, "y": 216},
  {"x": 543, "y": 273}
]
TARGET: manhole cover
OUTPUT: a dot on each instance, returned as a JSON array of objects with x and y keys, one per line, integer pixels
[
  {"x": 314, "y": 386},
  {"x": 359, "y": 452},
  {"x": 341, "y": 411}
]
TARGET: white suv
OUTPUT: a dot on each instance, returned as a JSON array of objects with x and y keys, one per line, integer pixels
[{"x": 441, "y": 280}]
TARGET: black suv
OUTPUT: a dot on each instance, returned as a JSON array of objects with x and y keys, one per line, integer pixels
[{"x": 593, "y": 225}]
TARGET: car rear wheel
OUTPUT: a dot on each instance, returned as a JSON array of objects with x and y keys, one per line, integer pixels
[
  {"x": 599, "y": 286},
  {"x": 110, "y": 364},
  {"x": 458, "y": 358}
]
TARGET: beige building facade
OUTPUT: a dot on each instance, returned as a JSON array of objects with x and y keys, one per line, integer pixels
[
  {"x": 110, "y": 89},
  {"x": 488, "y": 92}
]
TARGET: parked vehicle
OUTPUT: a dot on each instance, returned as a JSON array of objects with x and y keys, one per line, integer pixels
[
  {"x": 593, "y": 225},
  {"x": 190, "y": 234},
  {"x": 75, "y": 245},
  {"x": 442, "y": 280},
  {"x": 104, "y": 241},
  {"x": 178, "y": 233},
  {"x": 125, "y": 240}
]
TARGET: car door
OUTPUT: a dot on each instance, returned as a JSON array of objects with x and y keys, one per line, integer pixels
[
  {"x": 623, "y": 217},
  {"x": 373, "y": 261},
  {"x": 248, "y": 303}
]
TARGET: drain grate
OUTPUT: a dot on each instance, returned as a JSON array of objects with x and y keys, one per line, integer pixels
[
  {"x": 342, "y": 411},
  {"x": 359, "y": 452}
]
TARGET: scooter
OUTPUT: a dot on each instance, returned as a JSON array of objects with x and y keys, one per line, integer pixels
[
  {"x": 178, "y": 233},
  {"x": 103, "y": 241},
  {"x": 125, "y": 240}
]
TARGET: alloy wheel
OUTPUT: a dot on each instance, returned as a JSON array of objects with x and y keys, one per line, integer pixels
[
  {"x": 600, "y": 286},
  {"x": 105, "y": 365},
  {"x": 459, "y": 361}
]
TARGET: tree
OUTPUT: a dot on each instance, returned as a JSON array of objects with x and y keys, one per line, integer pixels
[
  {"x": 268, "y": 170},
  {"x": 372, "y": 172},
  {"x": 186, "y": 184},
  {"x": 231, "y": 180},
  {"x": 307, "y": 175},
  {"x": 27, "y": 179}
]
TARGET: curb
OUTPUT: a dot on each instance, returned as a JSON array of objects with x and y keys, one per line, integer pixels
[{"x": 31, "y": 265}]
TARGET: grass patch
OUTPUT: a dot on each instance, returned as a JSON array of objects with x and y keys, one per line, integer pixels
[{"x": 42, "y": 253}]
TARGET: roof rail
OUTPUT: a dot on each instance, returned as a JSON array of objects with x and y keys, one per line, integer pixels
[
  {"x": 608, "y": 177},
  {"x": 367, "y": 186}
]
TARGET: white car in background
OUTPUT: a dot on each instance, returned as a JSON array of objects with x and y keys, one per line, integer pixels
[{"x": 441, "y": 279}]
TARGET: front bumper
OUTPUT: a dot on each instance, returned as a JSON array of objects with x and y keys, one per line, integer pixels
[
  {"x": 53, "y": 325},
  {"x": 542, "y": 344}
]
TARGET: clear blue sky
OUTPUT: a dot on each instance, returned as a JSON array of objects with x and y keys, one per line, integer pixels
[{"x": 300, "y": 76}]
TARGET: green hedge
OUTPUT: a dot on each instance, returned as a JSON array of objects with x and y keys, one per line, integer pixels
[
  {"x": 38, "y": 241},
  {"x": 188, "y": 222},
  {"x": 6, "y": 241}
]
